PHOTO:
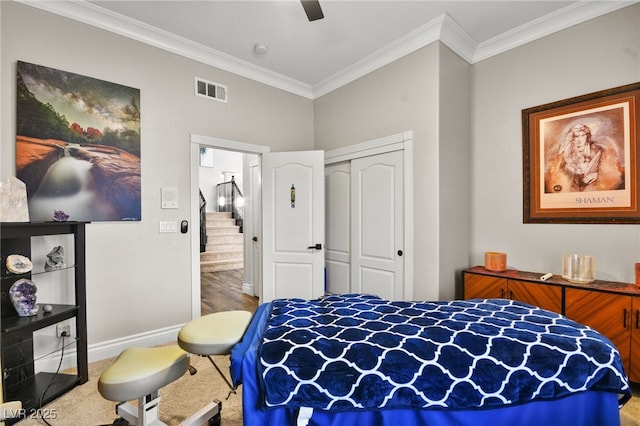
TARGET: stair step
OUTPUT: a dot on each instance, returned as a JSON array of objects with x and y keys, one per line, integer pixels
[
  {"x": 221, "y": 265},
  {"x": 225, "y": 238},
  {"x": 223, "y": 230},
  {"x": 214, "y": 246},
  {"x": 224, "y": 248},
  {"x": 218, "y": 215},
  {"x": 221, "y": 222},
  {"x": 221, "y": 255}
]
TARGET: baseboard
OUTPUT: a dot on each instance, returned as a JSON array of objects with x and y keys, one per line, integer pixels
[
  {"x": 248, "y": 289},
  {"x": 110, "y": 348}
]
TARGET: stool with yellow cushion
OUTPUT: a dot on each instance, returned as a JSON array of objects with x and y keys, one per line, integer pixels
[
  {"x": 139, "y": 373},
  {"x": 205, "y": 336}
]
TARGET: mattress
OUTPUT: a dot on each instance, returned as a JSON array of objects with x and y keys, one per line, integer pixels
[{"x": 593, "y": 400}]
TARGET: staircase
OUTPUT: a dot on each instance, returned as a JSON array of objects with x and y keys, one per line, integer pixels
[{"x": 224, "y": 248}]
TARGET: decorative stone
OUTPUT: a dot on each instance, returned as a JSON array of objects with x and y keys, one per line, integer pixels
[
  {"x": 60, "y": 216},
  {"x": 23, "y": 297},
  {"x": 18, "y": 264},
  {"x": 14, "y": 206},
  {"x": 55, "y": 259}
]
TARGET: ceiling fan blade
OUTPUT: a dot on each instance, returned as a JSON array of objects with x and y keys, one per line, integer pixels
[{"x": 312, "y": 9}]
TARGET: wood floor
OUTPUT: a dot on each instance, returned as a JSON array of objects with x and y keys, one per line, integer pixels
[{"x": 222, "y": 291}]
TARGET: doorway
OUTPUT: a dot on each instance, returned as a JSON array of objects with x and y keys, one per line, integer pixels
[
  {"x": 252, "y": 253},
  {"x": 221, "y": 227},
  {"x": 230, "y": 289}
]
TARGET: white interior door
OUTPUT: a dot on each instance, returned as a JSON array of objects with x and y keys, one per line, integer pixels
[
  {"x": 338, "y": 206},
  {"x": 293, "y": 225},
  {"x": 253, "y": 224},
  {"x": 377, "y": 218}
]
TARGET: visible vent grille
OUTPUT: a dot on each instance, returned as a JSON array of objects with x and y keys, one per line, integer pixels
[{"x": 211, "y": 90}]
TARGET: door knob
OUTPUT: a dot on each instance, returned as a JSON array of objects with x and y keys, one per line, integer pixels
[
  {"x": 254, "y": 239},
  {"x": 400, "y": 253},
  {"x": 318, "y": 246}
]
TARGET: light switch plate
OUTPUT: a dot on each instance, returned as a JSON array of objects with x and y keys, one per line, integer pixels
[
  {"x": 168, "y": 227},
  {"x": 169, "y": 198}
]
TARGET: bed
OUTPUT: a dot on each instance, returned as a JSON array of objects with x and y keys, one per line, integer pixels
[{"x": 360, "y": 359}]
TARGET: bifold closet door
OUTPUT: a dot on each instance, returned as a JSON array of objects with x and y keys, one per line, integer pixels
[
  {"x": 377, "y": 225},
  {"x": 337, "y": 183}
]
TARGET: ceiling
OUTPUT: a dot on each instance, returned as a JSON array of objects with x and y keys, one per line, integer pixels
[{"x": 354, "y": 38}]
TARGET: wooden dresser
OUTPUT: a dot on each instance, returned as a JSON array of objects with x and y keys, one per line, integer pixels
[{"x": 612, "y": 308}]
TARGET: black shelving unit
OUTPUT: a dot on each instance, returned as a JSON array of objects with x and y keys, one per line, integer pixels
[{"x": 20, "y": 379}]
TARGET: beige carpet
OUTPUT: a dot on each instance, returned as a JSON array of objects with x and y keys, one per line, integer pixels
[{"x": 84, "y": 406}]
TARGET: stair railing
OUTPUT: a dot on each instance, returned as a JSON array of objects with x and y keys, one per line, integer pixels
[
  {"x": 230, "y": 199},
  {"x": 203, "y": 223}
]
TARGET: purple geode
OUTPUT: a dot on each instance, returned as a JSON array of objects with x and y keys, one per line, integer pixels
[
  {"x": 23, "y": 297},
  {"x": 60, "y": 216}
]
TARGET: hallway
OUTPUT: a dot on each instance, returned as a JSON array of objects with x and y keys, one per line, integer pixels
[{"x": 222, "y": 291}]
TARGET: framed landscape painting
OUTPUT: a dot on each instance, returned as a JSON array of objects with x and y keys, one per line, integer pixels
[
  {"x": 77, "y": 146},
  {"x": 580, "y": 159}
]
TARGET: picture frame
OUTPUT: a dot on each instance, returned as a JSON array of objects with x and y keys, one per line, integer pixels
[
  {"x": 580, "y": 159},
  {"x": 206, "y": 157},
  {"x": 78, "y": 146}
]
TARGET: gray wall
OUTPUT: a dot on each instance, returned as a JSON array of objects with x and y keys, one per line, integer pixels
[
  {"x": 466, "y": 205},
  {"x": 596, "y": 55},
  {"x": 454, "y": 195},
  {"x": 138, "y": 279},
  {"x": 426, "y": 92}
]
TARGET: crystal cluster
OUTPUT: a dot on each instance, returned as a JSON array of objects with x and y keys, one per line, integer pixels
[
  {"x": 60, "y": 216},
  {"x": 55, "y": 259},
  {"x": 18, "y": 264},
  {"x": 13, "y": 201},
  {"x": 23, "y": 297}
]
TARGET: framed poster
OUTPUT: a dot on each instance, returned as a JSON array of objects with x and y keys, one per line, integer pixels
[
  {"x": 580, "y": 159},
  {"x": 206, "y": 156},
  {"x": 77, "y": 146}
]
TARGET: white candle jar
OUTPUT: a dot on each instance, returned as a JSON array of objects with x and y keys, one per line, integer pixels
[{"x": 578, "y": 268}]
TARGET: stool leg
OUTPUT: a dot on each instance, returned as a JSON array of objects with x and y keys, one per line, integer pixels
[
  {"x": 147, "y": 413},
  {"x": 149, "y": 410},
  {"x": 209, "y": 415},
  {"x": 128, "y": 412},
  {"x": 215, "y": 420},
  {"x": 233, "y": 388}
]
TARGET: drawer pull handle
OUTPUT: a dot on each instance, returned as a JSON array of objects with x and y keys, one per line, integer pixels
[
  {"x": 637, "y": 319},
  {"x": 624, "y": 321}
]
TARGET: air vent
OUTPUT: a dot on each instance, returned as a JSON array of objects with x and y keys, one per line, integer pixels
[{"x": 211, "y": 90}]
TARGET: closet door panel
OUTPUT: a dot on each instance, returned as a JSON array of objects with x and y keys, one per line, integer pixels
[
  {"x": 377, "y": 230},
  {"x": 338, "y": 227}
]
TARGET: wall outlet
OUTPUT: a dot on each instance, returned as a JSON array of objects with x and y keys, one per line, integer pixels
[{"x": 63, "y": 329}]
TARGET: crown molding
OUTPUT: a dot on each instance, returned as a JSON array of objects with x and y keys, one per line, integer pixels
[
  {"x": 458, "y": 40},
  {"x": 422, "y": 36},
  {"x": 87, "y": 13},
  {"x": 575, "y": 13},
  {"x": 442, "y": 29}
]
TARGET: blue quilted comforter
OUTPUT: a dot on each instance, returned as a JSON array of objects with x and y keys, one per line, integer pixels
[{"x": 362, "y": 352}]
